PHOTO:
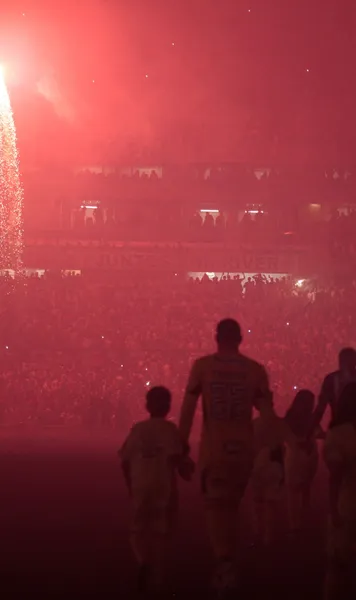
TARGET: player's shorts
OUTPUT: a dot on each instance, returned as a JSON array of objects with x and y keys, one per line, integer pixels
[
  {"x": 154, "y": 518},
  {"x": 341, "y": 546},
  {"x": 225, "y": 483}
]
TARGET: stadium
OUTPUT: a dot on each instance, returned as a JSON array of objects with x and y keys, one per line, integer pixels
[{"x": 162, "y": 170}]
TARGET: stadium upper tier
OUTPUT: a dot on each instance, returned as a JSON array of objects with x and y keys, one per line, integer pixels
[
  {"x": 230, "y": 184},
  {"x": 198, "y": 203}
]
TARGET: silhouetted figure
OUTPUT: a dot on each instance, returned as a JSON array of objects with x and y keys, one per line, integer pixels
[
  {"x": 230, "y": 385},
  {"x": 334, "y": 383}
]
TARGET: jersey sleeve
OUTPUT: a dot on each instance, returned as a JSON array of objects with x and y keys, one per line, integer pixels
[
  {"x": 192, "y": 392},
  {"x": 325, "y": 398}
]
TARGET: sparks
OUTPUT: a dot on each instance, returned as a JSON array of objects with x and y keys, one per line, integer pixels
[{"x": 11, "y": 193}]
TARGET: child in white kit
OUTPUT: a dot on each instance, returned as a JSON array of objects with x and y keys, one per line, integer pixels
[{"x": 151, "y": 456}]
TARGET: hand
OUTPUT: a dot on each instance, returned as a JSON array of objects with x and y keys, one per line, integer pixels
[{"x": 186, "y": 468}]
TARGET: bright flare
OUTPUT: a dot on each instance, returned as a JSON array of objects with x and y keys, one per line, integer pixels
[
  {"x": 11, "y": 193},
  {"x": 300, "y": 282}
]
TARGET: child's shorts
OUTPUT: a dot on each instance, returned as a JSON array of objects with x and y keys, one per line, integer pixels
[{"x": 154, "y": 518}]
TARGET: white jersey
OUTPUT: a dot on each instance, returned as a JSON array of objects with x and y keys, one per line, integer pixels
[
  {"x": 230, "y": 387},
  {"x": 151, "y": 450}
]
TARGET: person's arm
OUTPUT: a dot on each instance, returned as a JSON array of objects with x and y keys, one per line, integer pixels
[
  {"x": 190, "y": 401},
  {"x": 186, "y": 468},
  {"x": 180, "y": 459},
  {"x": 125, "y": 466},
  {"x": 271, "y": 422},
  {"x": 323, "y": 401},
  {"x": 180, "y": 449},
  {"x": 320, "y": 433},
  {"x": 335, "y": 461},
  {"x": 125, "y": 456},
  {"x": 263, "y": 398}
]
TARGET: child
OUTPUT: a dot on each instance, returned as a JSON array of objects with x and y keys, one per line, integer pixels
[
  {"x": 301, "y": 460},
  {"x": 340, "y": 457},
  {"x": 267, "y": 477},
  {"x": 150, "y": 456}
]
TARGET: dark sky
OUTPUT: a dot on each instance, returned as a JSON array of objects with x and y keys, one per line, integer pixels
[{"x": 190, "y": 79}]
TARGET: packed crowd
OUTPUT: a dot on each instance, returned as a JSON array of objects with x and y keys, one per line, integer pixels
[{"x": 83, "y": 351}]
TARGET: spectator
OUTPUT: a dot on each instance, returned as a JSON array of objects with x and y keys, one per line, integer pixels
[{"x": 135, "y": 330}]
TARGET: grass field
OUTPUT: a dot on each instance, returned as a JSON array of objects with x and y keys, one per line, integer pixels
[{"x": 64, "y": 517}]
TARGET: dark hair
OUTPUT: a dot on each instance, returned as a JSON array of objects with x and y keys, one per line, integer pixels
[
  {"x": 347, "y": 355},
  {"x": 346, "y": 406},
  {"x": 228, "y": 331},
  {"x": 158, "y": 401},
  {"x": 300, "y": 412}
]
